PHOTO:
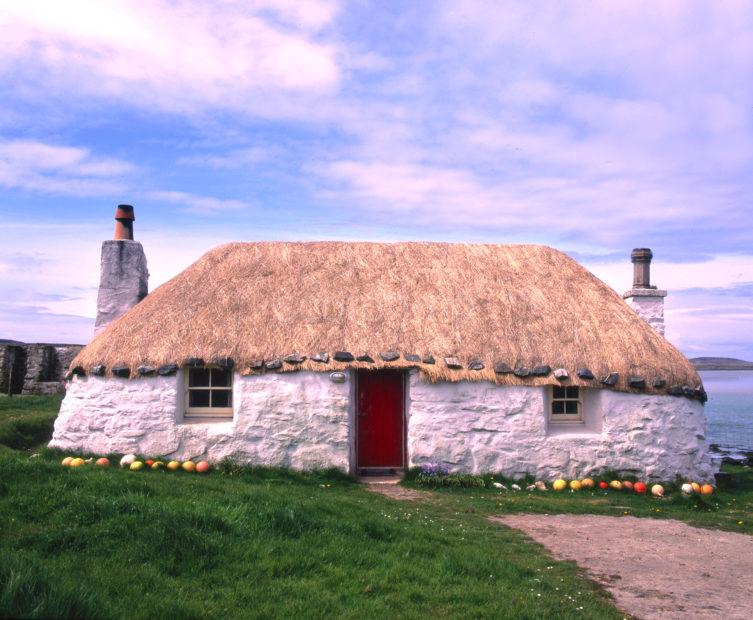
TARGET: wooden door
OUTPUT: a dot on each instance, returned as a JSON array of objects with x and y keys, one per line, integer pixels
[{"x": 380, "y": 427}]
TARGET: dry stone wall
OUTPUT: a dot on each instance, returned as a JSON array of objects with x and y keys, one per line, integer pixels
[{"x": 35, "y": 368}]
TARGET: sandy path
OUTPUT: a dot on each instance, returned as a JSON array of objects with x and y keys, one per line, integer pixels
[
  {"x": 654, "y": 568},
  {"x": 389, "y": 487}
]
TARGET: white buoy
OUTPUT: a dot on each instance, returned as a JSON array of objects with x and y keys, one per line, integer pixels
[{"x": 127, "y": 460}]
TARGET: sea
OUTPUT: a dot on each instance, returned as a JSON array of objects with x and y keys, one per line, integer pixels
[{"x": 729, "y": 410}]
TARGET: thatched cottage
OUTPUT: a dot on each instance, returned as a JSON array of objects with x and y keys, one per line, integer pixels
[{"x": 370, "y": 356}]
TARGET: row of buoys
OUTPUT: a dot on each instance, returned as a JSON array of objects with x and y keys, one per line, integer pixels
[
  {"x": 627, "y": 485},
  {"x": 693, "y": 487},
  {"x": 132, "y": 463}
]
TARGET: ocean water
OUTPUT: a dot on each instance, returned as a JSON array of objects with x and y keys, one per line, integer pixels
[{"x": 729, "y": 409}]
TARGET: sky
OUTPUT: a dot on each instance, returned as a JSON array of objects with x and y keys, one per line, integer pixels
[{"x": 593, "y": 127}]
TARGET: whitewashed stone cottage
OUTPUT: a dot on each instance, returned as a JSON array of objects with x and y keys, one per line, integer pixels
[{"x": 371, "y": 356}]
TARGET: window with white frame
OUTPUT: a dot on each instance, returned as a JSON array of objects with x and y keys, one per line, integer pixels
[
  {"x": 209, "y": 392},
  {"x": 566, "y": 404}
]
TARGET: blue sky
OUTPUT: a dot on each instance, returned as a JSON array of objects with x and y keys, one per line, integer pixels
[{"x": 594, "y": 127}]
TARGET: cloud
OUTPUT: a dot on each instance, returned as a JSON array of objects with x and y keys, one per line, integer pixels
[
  {"x": 709, "y": 306},
  {"x": 555, "y": 208},
  {"x": 33, "y": 165},
  {"x": 609, "y": 126},
  {"x": 179, "y": 56},
  {"x": 12, "y": 262},
  {"x": 201, "y": 205},
  {"x": 233, "y": 159},
  {"x": 595, "y": 128},
  {"x": 724, "y": 274}
]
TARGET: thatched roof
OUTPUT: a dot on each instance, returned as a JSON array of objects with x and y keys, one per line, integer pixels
[{"x": 522, "y": 305}]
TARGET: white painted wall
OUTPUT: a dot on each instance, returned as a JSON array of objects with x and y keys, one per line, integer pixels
[
  {"x": 481, "y": 427},
  {"x": 303, "y": 420},
  {"x": 298, "y": 420},
  {"x": 650, "y": 309}
]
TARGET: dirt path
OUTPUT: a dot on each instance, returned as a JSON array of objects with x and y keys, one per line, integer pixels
[
  {"x": 395, "y": 491},
  {"x": 654, "y": 568}
]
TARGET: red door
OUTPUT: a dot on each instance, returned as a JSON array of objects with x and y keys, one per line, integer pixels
[{"x": 380, "y": 418}]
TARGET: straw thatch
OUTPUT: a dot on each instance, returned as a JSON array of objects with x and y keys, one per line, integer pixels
[{"x": 523, "y": 305}]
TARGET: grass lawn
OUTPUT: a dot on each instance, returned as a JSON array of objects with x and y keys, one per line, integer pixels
[
  {"x": 726, "y": 509},
  {"x": 95, "y": 543},
  {"x": 26, "y": 421}
]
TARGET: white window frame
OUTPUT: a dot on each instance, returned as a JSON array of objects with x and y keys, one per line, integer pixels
[
  {"x": 206, "y": 412},
  {"x": 565, "y": 417}
]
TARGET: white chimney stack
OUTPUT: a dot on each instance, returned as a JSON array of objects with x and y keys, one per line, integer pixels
[
  {"x": 124, "y": 278},
  {"x": 645, "y": 299}
]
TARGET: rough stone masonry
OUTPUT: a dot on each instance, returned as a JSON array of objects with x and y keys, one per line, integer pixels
[
  {"x": 124, "y": 277},
  {"x": 644, "y": 298},
  {"x": 35, "y": 368}
]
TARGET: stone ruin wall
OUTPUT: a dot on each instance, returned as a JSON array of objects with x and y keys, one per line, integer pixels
[{"x": 35, "y": 368}]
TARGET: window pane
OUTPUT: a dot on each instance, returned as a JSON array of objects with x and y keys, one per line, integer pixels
[
  {"x": 558, "y": 391},
  {"x": 220, "y": 398},
  {"x": 198, "y": 377},
  {"x": 558, "y": 406},
  {"x": 571, "y": 406},
  {"x": 220, "y": 377},
  {"x": 572, "y": 391},
  {"x": 198, "y": 398}
]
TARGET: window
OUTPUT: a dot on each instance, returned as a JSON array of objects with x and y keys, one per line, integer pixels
[
  {"x": 209, "y": 392},
  {"x": 566, "y": 405}
]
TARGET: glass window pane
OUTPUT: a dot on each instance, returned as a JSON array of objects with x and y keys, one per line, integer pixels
[
  {"x": 220, "y": 398},
  {"x": 558, "y": 406},
  {"x": 558, "y": 391},
  {"x": 571, "y": 406},
  {"x": 198, "y": 398},
  {"x": 220, "y": 377},
  {"x": 572, "y": 391},
  {"x": 198, "y": 377}
]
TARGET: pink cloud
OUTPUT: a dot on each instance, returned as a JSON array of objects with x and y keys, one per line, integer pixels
[
  {"x": 178, "y": 56},
  {"x": 38, "y": 166}
]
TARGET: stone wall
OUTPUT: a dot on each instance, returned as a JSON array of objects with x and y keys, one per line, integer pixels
[
  {"x": 481, "y": 427},
  {"x": 297, "y": 420},
  {"x": 649, "y": 305},
  {"x": 303, "y": 420},
  {"x": 37, "y": 368},
  {"x": 124, "y": 280}
]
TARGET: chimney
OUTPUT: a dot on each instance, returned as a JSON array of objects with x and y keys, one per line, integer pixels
[
  {"x": 124, "y": 222},
  {"x": 645, "y": 299},
  {"x": 124, "y": 278}
]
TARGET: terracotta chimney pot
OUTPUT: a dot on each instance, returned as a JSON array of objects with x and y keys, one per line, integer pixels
[{"x": 124, "y": 218}]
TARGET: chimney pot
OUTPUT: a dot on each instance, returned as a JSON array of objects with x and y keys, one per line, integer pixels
[
  {"x": 646, "y": 300},
  {"x": 641, "y": 258},
  {"x": 124, "y": 218},
  {"x": 124, "y": 212}
]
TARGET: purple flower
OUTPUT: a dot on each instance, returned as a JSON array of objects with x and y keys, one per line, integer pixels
[{"x": 434, "y": 469}]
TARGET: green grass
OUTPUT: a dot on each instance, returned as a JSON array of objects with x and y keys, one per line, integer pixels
[
  {"x": 26, "y": 421},
  {"x": 730, "y": 509},
  {"x": 242, "y": 542},
  {"x": 112, "y": 543}
]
